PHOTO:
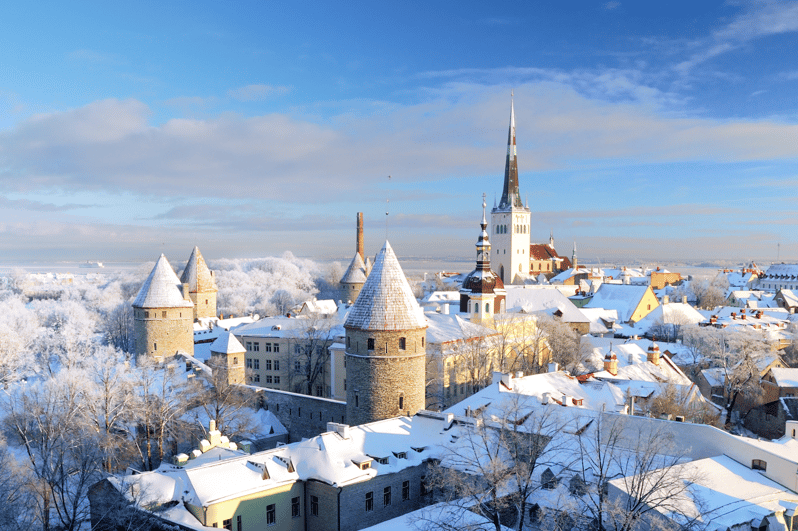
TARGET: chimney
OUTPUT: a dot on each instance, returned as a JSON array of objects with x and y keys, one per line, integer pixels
[
  {"x": 360, "y": 234},
  {"x": 445, "y": 309},
  {"x": 611, "y": 363},
  {"x": 653, "y": 353},
  {"x": 666, "y": 299},
  {"x": 684, "y": 299}
]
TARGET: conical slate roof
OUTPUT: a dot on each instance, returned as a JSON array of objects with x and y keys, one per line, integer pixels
[
  {"x": 197, "y": 275},
  {"x": 227, "y": 343},
  {"x": 161, "y": 289},
  {"x": 356, "y": 273},
  {"x": 386, "y": 301}
]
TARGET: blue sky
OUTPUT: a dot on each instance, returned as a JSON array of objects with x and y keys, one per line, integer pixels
[{"x": 648, "y": 132}]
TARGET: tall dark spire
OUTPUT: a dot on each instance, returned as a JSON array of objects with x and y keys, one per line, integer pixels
[{"x": 511, "y": 197}]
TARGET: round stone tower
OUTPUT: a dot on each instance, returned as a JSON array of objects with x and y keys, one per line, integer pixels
[
  {"x": 385, "y": 346},
  {"x": 163, "y": 314},
  {"x": 201, "y": 285}
]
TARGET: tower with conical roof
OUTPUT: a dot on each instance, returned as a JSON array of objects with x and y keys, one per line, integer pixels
[
  {"x": 201, "y": 285},
  {"x": 385, "y": 346},
  {"x": 163, "y": 314},
  {"x": 482, "y": 293},
  {"x": 355, "y": 276},
  {"x": 510, "y": 219}
]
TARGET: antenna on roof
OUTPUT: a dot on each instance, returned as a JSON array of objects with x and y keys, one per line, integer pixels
[{"x": 387, "y": 204}]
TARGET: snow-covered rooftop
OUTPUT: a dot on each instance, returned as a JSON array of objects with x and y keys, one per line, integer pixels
[
  {"x": 623, "y": 298},
  {"x": 197, "y": 275},
  {"x": 386, "y": 301},
  {"x": 356, "y": 272},
  {"x": 162, "y": 289}
]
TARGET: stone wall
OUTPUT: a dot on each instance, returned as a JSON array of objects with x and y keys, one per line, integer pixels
[
  {"x": 387, "y": 381},
  {"x": 161, "y": 332},
  {"x": 302, "y": 415}
]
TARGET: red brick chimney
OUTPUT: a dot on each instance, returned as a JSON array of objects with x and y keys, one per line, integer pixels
[
  {"x": 653, "y": 353},
  {"x": 611, "y": 363}
]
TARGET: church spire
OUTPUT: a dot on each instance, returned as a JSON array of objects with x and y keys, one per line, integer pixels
[{"x": 511, "y": 197}]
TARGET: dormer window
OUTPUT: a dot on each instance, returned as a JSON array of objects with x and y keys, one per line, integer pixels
[
  {"x": 363, "y": 465},
  {"x": 759, "y": 464},
  {"x": 400, "y": 455}
]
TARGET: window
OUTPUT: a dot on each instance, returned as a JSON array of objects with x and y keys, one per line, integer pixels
[
  {"x": 297, "y": 349},
  {"x": 235, "y": 360},
  {"x": 402, "y": 343},
  {"x": 249, "y": 363},
  {"x": 405, "y": 490},
  {"x": 256, "y": 363},
  {"x": 319, "y": 390},
  {"x": 487, "y": 308},
  {"x": 268, "y": 364},
  {"x": 146, "y": 315},
  {"x": 155, "y": 346},
  {"x": 277, "y": 379},
  {"x": 297, "y": 366},
  {"x": 276, "y": 348},
  {"x": 249, "y": 345},
  {"x": 345, "y": 390},
  {"x": 422, "y": 341},
  {"x": 401, "y": 402},
  {"x": 758, "y": 464},
  {"x": 295, "y": 507},
  {"x": 163, "y": 314},
  {"x": 269, "y": 378},
  {"x": 386, "y": 496},
  {"x": 369, "y": 501},
  {"x": 314, "y": 505},
  {"x": 267, "y": 347},
  {"x": 256, "y": 347},
  {"x": 238, "y": 523},
  {"x": 256, "y": 378},
  {"x": 370, "y": 343},
  {"x": 228, "y": 524},
  {"x": 276, "y": 364},
  {"x": 356, "y": 401},
  {"x": 348, "y": 342},
  {"x": 271, "y": 514}
]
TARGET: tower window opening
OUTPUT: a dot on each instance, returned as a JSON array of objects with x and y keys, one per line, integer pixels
[
  {"x": 401, "y": 402},
  {"x": 370, "y": 343},
  {"x": 402, "y": 343}
]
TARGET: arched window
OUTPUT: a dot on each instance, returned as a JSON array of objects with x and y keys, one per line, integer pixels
[
  {"x": 476, "y": 307},
  {"x": 487, "y": 308}
]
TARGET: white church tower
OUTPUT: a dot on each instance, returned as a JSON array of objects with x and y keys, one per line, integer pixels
[{"x": 510, "y": 220}]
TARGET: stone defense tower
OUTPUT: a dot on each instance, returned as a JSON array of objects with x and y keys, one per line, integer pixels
[
  {"x": 163, "y": 314},
  {"x": 355, "y": 276},
  {"x": 227, "y": 357},
  {"x": 201, "y": 285},
  {"x": 385, "y": 346},
  {"x": 510, "y": 219},
  {"x": 482, "y": 294}
]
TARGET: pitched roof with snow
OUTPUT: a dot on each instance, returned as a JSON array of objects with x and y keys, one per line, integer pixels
[
  {"x": 227, "y": 343},
  {"x": 197, "y": 275},
  {"x": 785, "y": 377},
  {"x": 356, "y": 272},
  {"x": 533, "y": 299},
  {"x": 386, "y": 301},
  {"x": 621, "y": 297},
  {"x": 161, "y": 289},
  {"x": 444, "y": 328}
]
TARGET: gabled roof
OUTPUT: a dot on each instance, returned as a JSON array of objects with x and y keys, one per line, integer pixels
[
  {"x": 197, "y": 275},
  {"x": 544, "y": 251},
  {"x": 444, "y": 328},
  {"x": 227, "y": 343},
  {"x": 548, "y": 300},
  {"x": 621, "y": 297},
  {"x": 161, "y": 289},
  {"x": 356, "y": 272},
  {"x": 386, "y": 301}
]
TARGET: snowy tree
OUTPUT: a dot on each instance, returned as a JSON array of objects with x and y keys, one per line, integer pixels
[
  {"x": 493, "y": 465},
  {"x": 47, "y": 421},
  {"x": 118, "y": 328},
  {"x": 645, "y": 458},
  {"x": 231, "y": 406},
  {"x": 568, "y": 348},
  {"x": 308, "y": 356},
  {"x": 710, "y": 293}
]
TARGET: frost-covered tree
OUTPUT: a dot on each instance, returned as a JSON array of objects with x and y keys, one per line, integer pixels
[
  {"x": 118, "y": 328},
  {"x": 710, "y": 293},
  {"x": 308, "y": 356}
]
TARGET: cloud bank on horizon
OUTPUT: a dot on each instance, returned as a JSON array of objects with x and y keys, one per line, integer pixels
[{"x": 644, "y": 132}]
